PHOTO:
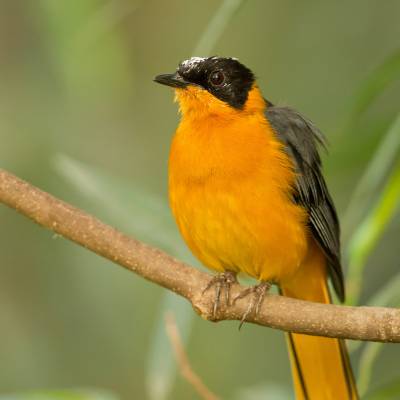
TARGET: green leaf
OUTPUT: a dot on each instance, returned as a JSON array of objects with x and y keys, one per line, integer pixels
[
  {"x": 384, "y": 75},
  {"x": 78, "y": 394},
  {"x": 374, "y": 174},
  {"x": 216, "y": 27},
  {"x": 86, "y": 49},
  {"x": 367, "y": 360},
  {"x": 369, "y": 232}
]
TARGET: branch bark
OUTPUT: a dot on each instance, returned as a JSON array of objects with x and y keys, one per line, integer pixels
[{"x": 359, "y": 323}]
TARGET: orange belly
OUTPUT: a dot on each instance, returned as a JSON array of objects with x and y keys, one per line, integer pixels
[{"x": 235, "y": 211}]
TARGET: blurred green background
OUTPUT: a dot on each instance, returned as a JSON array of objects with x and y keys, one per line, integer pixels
[{"x": 81, "y": 118}]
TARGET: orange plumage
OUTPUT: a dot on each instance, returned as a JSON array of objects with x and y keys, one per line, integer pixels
[
  {"x": 247, "y": 193},
  {"x": 229, "y": 187}
]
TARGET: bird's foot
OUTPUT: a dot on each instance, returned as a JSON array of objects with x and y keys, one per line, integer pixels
[
  {"x": 221, "y": 281},
  {"x": 258, "y": 291}
]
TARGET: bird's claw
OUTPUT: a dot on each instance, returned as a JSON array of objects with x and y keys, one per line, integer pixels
[
  {"x": 259, "y": 291},
  {"x": 221, "y": 281}
]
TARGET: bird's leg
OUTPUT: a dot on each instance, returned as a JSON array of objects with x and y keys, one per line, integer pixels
[
  {"x": 258, "y": 291},
  {"x": 221, "y": 281}
]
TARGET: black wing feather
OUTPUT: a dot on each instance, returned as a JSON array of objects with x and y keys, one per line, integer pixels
[{"x": 301, "y": 139}]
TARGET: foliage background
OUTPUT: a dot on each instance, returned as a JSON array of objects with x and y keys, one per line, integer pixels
[{"x": 81, "y": 118}]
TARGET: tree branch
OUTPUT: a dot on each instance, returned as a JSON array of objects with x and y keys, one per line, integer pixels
[{"x": 358, "y": 323}]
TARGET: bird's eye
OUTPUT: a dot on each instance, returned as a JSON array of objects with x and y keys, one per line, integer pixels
[{"x": 217, "y": 78}]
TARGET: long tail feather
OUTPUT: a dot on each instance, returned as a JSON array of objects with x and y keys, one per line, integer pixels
[{"x": 320, "y": 366}]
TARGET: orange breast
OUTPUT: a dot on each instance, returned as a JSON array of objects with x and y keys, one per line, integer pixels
[{"x": 230, "y": 187}]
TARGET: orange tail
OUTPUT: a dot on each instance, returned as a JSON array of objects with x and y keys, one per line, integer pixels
[{"x": 320, "y": 366}]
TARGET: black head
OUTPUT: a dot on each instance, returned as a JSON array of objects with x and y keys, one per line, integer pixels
[{"x": 225, "y": 78}]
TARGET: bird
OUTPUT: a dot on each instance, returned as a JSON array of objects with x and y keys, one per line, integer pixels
[{"x": 248, "y": 194}]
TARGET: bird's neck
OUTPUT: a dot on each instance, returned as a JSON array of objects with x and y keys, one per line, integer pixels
[{"x": 198, "y": 104}]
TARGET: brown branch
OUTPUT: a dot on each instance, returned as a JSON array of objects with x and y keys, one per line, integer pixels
[
  {"x": 183, "y": 361},
  {"x": 359, "y": 323}
]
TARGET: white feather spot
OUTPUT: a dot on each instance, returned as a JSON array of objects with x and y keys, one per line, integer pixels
[{"x": 192, "y": 62}]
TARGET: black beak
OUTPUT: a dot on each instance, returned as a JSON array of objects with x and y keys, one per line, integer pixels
[{"x": 173, "y": 80}]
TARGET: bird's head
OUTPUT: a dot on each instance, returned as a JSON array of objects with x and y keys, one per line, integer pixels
[{"x": 214, "y": 85}]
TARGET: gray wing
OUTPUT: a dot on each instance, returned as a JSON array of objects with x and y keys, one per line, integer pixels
[{"x": 301, "y": 139}]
